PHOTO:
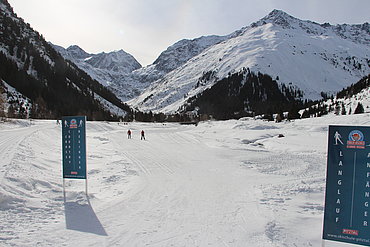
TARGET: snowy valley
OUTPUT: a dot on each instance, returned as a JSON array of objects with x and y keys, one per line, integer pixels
[
  {"x": 240, "y": 182},
  {"x": 194, "y": 181},
  {"x": 279, "y": 60}
]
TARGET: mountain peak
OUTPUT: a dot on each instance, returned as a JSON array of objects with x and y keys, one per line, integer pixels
[
  {"x": 280, "y": 18},
  {"x": 278, "y": 12},
  {"x": 77, "y": 52}
]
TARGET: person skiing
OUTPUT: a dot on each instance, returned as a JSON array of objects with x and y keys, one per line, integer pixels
[
  {"x": 129, "y": 134},
  {"x": 142, "y": 135}
]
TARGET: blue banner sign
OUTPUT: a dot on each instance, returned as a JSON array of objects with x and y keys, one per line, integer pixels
[
  {"x": 74, "y": 147},
  {"x": 347, "y": 198}
]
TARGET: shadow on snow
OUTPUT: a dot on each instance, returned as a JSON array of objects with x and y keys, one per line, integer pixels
[{"x": 81, "y": 217}]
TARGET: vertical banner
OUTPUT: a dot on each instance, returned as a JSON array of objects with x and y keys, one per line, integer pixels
[
  {"x": 347, "y": 198},
  {"x": 74, "y": 147}
]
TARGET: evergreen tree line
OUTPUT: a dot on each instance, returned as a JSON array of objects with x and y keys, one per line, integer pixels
[
  {"x": 323, "y": 107},
  {"x": 354, "y": 88},
  {"x": 247, "y": 94},
  {"x": 159, "y": 117}
]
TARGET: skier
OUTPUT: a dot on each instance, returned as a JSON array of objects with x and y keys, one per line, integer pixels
[
  {"x": 142, "y": 135},
  {"x": 337, "y": 138},
  {"x": 129, "y": 134}
]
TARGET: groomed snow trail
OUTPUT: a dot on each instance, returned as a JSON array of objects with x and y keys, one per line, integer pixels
[
  {"x": 232, "y": 183},
  {"x": 190, "y": 194}
]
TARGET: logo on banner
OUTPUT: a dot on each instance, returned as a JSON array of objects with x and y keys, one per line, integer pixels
[
  {"x": 350, "y": 232},
  {"x": 73, "y": 124},
  {"x": 356, "y": 140}
]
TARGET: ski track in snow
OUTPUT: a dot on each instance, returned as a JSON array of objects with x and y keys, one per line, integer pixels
[{"x": 230, "y": 183}]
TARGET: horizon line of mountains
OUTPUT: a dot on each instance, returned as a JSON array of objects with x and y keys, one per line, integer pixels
[{"x": 270, "y": 66}]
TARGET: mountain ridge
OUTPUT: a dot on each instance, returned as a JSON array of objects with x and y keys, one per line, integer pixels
[
  {"x": 303, "y": 58},
  {"x": 303, "y": 54}
]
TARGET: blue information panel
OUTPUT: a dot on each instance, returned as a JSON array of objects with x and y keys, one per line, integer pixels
[
  {"x": 347, "y": 199},
  {"x": 74, "y": 147}
]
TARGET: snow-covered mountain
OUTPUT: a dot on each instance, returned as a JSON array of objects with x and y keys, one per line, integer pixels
[
  {"x": 121, "y": 72},
  {"x": 113, "y": 69},
  {"x": 306, "y": 55},
  {"x": 115, "y": 63},
  {"x": 179, "y": 53}
]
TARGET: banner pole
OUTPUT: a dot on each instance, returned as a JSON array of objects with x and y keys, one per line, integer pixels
[
  {"x": 87, "y": 195},
  {"x": 64, "y": 191}
]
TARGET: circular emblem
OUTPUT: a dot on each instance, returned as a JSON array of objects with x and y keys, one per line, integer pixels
[{"x": 356, "y": 136}]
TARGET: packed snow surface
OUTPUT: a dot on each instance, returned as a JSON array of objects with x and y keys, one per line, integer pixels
[{"x": 227, "y": 183}]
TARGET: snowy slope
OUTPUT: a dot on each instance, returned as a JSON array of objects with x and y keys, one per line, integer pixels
[
  {"x": 15, "y": 104},
  {"x": 315, "y": 58},
  {"x": 113, "y": 69},
  {"x": 104, "y": 67},
  {"x": 232, "y": 183},
  {"x": 119, "y": 62},
  {"x": 124, "y": 75},
  {"x": 183, "y": 50}
]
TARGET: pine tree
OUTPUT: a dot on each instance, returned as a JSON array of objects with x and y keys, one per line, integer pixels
[
  {"x": 306, "y": 114},
  {"x": 278, "y": 118},
  {"x": 343, "y": 110},
  {"x": 359, "y": 109},
  {"x": 11, "y": 112},
  {"x": 294, "y": 113}
]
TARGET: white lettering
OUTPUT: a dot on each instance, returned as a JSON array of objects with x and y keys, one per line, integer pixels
[
  {"x": 366, "y": 204},
  {"x": 368, "y": 174},
  {"x": 340, "y": 163},
  {"x": 367, "y": 184},
  {"x": 336, "y": 219},
  {"x": 367, "y": 194},
  {"x": 340, "y": 154},
  {"x": 338, "y": 192},
  {"x": 365, "y": 223},
  {"x": 340, "y": 172},
  {"x": 365, "y": 213},
  {"x": 337, "y": 210},
  {"x": 338, "y": 201},
  {"x": 339, "y": 182}
]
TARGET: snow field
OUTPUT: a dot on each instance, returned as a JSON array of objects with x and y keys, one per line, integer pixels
[{"x": 227, "y": 183}]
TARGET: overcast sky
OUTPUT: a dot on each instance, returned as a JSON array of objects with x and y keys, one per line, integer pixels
[{"x": 145, "y": 28}]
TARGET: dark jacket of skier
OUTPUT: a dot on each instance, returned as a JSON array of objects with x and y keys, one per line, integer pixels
[{"x": 142, "y": 135}]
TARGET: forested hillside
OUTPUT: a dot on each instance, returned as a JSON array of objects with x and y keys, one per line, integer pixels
[{"x": 55, "y": 86}]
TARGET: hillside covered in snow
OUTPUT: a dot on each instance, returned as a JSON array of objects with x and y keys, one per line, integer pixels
[{"x": 308, "y": 56}]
